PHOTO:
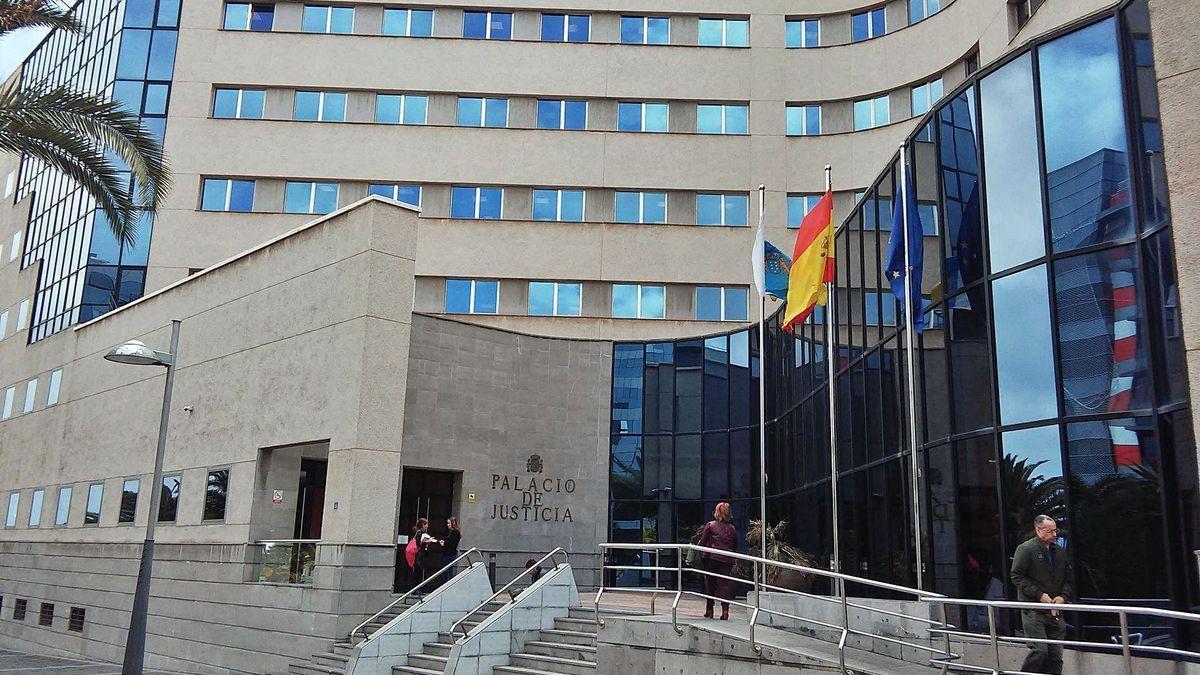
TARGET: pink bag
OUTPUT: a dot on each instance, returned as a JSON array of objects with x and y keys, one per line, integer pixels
[{"x": 410, "y": 552}]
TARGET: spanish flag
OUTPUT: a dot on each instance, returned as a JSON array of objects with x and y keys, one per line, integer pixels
[{"x": 812, "y": 263}]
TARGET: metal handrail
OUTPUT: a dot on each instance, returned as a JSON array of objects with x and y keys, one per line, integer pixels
[
  {"x": 936, "y": 628},
  {"x": 414, "y": 589},
  {"x": 507, "y": 586}
]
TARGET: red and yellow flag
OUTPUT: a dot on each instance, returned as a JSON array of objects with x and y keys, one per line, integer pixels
[{"x": 812, "y": 263}]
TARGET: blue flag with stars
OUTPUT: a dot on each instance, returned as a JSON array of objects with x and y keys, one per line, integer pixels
[
  {"x": 916, "y": 248},
  {"x": 776, "y": 267}
]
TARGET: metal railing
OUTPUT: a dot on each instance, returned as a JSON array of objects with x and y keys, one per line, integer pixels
[
  {"x": 527, "y": 571},
  {"x": 285, "y": 561},
  {"x": 420, "y": 598},
  {"x": 937, "y": 603}
]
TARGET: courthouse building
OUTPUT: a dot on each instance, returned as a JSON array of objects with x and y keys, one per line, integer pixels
[{"x": 491, "y": 261}]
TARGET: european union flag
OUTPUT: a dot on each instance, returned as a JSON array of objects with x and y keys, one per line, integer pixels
[
  {"x": 776, "y": 267},
  {"x": 916, "y": 248}
]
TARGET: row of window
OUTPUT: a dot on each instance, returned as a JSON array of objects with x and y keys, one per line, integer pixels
[
  {"x": 215, "y": 498},
  {"x": 559, "y": 27},
  {"x": 75, "y": 621},
  {"x": 629, "y": 301},
  {"x": 803, "y": 119},
  {"x": 31, "y": 387}
]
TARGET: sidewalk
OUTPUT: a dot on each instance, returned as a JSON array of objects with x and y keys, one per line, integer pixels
[{"x": 17, "y": 662}]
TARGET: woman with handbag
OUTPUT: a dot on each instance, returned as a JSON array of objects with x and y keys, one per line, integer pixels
[{"x": 719, "y": 533}]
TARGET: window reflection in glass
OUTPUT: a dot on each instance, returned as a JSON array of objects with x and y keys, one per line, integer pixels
[
  {"x": 1014, "y": 190},
  {"x": 215, "y": 494},
  {"x": 129, "y": 499},
  {"x": 1032, "y": 472},
  {"x": 625, "y": 477},
  {"x": 1083, "y": 123},
  {"x": 960, "y": 197},
  {"x": 687, "y": 467},
  {"x": 95, "y": 497},
  {"x": 1102, "y": 336},
  {"x": 1024, "y": 349},
  {"x": 168, "y": 504}
]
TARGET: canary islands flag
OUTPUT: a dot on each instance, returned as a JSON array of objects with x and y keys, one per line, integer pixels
[{"x": 812, "y": 263}]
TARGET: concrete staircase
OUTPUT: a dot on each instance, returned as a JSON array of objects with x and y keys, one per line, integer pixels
[
  {"x": 567, "y": 649},
  {"x": 433, "y": 656},
  {"x": 333, "y": 662}
]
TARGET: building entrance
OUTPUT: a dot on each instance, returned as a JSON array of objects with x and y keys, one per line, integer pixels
[{"x": 424, "y": 493}]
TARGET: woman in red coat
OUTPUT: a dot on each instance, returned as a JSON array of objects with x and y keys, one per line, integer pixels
[{"x": 718, "y": 533}]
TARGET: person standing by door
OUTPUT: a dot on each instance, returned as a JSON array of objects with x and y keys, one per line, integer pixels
[
  {"x": 419, "y": 556},
  {"x": 719, "y": 533},
  {"x": 1041, "y": 571},
  {"x": 450, "y": 546}
]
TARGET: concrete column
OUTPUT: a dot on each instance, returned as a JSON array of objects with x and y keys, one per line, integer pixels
[
  {"x": 606, "y": 28},
  {"x": 288, "y": 16},
  {"x": 680, "y": 302},
  {"x": 682, "y": 117},
  {"x": 681, "y": 208},
  {"x": 447, "y": 22},
  {"x": 514, "y": 297},
  {"x": 268, "y": 195}
]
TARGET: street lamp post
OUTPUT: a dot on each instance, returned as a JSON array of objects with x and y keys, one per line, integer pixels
[{"x": 137, "y": 353}]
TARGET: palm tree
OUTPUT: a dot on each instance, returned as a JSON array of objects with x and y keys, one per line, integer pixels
[{"x": 73, "y": 132}]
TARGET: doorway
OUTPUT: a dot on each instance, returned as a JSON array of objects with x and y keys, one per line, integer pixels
[
  {"x": 310, "y": 499},
  {"x": 424, "y": 493}
]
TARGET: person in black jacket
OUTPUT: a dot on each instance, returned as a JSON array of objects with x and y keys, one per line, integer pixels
[
  {"x": 450, "y": 545},
  {"x": 1041, "y": 571}
]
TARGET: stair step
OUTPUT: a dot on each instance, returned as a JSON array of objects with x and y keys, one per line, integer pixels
[
  {"x": 521, "y": 670},
  {"x": 561, "y": 650},
  {"x": 573, "y": 637},
  {"x": 580, "y": 625},
  {"x": 314, "y": 669},
  {"x": 438, "y": 648},
  {"x": 331, "y": 660},
  {"x": 430, "y": 661},
  {"x": 553, "y": 663},
  {"x": 446, "y": 638},
  {"x": 343, "y": 648},
  {"x": 413, "y": 670}
]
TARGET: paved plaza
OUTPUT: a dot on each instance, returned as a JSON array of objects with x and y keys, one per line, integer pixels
[{"x": 19, "y": 662}]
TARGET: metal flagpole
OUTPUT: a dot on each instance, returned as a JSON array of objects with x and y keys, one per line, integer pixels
[
  {"x": 830, "y": 368},
  {"x": 910, "y": 359},
  {"x": 762, "y": 414}
]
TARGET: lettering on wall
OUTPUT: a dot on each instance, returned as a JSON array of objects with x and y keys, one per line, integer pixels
[{"x": 531, "y": 498}]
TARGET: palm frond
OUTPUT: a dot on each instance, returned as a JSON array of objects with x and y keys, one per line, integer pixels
[
  {"x": 18, "y": 14},
  {"x": 35, "y": 118}
]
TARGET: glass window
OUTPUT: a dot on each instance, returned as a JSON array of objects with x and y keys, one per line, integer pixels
[
  {"x": 9, "y": 395},
  {"x": 472, "y": 296},
  {"x": 30, "y": 395},
  {"x": 400, "y": 109},
  {"x": 242, "y": 16},
  {"x": 641, "y": 207},
  {"x": 129, "y": 499},
  {"x": 1033, "y": 474},
  {"x": 408, "y": 22},
  {"x": 15, "y": 250},
  {"x": 476, "y": 202},
  {"x": 215, "y": 494},
  {"x": 645, "y": 30},
  {"x": 1014, "y": 211},
  {"x": 562, "y": 205},
  {"x": 14, "y": 503},
  {"x": 919, "y": 9},
  {"x": 223, "y": 194},
  {"x": 482, "y": 112},
  {"x": 636, "y": 116},
  {"x": 305, "y": 197},
  {"x": 325, "y": 106},
  {"x": 1083, "y": 123},
  {"x": 168, "y": 500},
  {"x": 552, "y": 298},
  {"x": 724, "y": 33},
  {"x": 803, "y": 33},
  {"x": 95, "y": 499},
  {"x": 237, "y": 16},
  {"x": 866, "y": 25},
  {"x": 637, "y": 301},
  {"x": 803, "y": 120},
  {"x": 409, "y": 194},
  {"x": 63, "y": 513},
  {"x": 487, "y": 25},
  {"x": 23, "y": 314},
  {"x": 798, "y": 207},
  {"x": 325, "y": 19},
  {"x": 566, "y": 28},
  {"x": 561, "y": 114},
  {"x": 3, "y": 324},
  {"x": 55, "y": 384},
  {"x": 716, "y": 303},
  {"x": 262, "y": 16},
  {"x": 722, "y": 119},
  {"x": 925, "y": 96},
  {"x": 871, "y": 113},
  {"x": 1024, "y": 348},
  {"x": 35, "y": 508},
  {"x": 721, "y": 209}
]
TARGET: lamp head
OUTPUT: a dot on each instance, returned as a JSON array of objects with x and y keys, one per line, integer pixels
[{"x": 135, "y": 352}]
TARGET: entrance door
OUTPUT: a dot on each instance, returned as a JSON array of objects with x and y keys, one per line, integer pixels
[
  {"x": 311, "y": 502},
  {"x": 424, "y": 493}
]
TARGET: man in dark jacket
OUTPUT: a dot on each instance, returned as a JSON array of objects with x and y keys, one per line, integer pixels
[{"x": 1041, "y": 572}]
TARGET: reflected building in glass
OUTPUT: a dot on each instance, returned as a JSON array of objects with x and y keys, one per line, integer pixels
[{"x": 1048, "y": 377}]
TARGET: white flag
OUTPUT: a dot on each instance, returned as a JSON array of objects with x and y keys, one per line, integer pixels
[{"x": 758, "y": 256}]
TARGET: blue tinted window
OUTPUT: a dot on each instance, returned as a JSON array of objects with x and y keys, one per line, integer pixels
[
  {"x": 475, "y": 25},
  {"x": 409, "y": 194},
  {"x": 420, "y": 23},
  {"x": 629, "y": 116},
  {"x": 556, "y": 114},
  {"x": 326, "y": 198},
  {"x": 387, "y": 108},
  {"x": 308, "y": 105},
  {"x": 569, "y": 299},
  {"x": 500, "y": 26},
  {"x": 735, "y": 209},
  {"x": 572, "y": 206},
  {"x": 315, "y": 19},
  {"x": 736, "y": 304},
  {"x": 237, "y": 16},
  {"x": 545, "y": 204},
  {"x": 156, "y": 100},
  {"x": 652, "y": 302},
  {"x": 262, "y": 17},
  {"x": 495, "y": 112},
  {"x": 803, "y": 33},
  {"x": 712, "y": 32},
  {"x": 554, "y": 29},
  {"x": 415, "y": 109},
  {"x": 633, "y": 30},
  {"x": 1024, "y": 348},
  {"x": 737, "y": 119},
  {"x": 382, "y": 189},
  {"x": 490, "y": 202},
  {"x": 140, "y": 13},
  {"x": 128, "y": 94},
  {"x": 252, "y": 104},
  {"x": 625, "y": 301},
  {"x": 162, "y": 55},
  {"x": 297, "y": 197},
  {"x": 225, "y": 103},
  {"x": 708, "y": 209},
  {"x": 241, "y": 195},
  {"x": 135, "y": 49},
  {"x": 803, "y": 120},
  {"x": 575, "y": 115},
  {"x": 798, "y": 207},
  {"x": 486, "y": 297},
  {"x": 395, "y": 22},
  {"x": 656, "y": 117},
  {"x": 458, "y": 296},
  {"x": 470, "y": 112},
  {"x": 654, "y": 207},
  {"x": 628, "y": 207},
  {"x": 563, "y": 205},
  {"x": 710, "y": 119},
  {"x": 541, "y": 298},
  {"x": 341, "y": 20},
  {"x": 658, "y": 31},
  {"x": 549, "y": 114},
  {"x": 216, "y": 191},
  {"x": 578, "y": 28},
  {"x": 333, "y": 108},
  {"x": 462, "y": 202},
  {"x": 708, "y": 303},
  {"x": 487, "y": 25},
  {"x": 737, "y": 33}
]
